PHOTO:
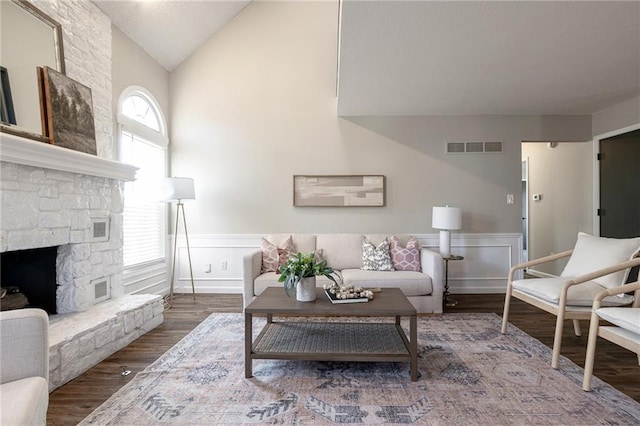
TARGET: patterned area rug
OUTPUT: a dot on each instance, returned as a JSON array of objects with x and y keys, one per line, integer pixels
[{"x": 470, "y": 375}]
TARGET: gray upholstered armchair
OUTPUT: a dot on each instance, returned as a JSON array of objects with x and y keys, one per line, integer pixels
[{"x": 24, "y": 367}]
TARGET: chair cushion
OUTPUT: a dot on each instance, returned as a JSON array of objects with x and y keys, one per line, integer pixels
[
  {"x": 627, "y": 318},
  {"x": 411, "y": 283},
  {"x": 548, "y": 289},
  {"x": 24, "y": 402},
  {"x": 592, "y": 253}
]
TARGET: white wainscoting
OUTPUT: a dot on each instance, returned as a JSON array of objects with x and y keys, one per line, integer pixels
[{"x": 487, "y": 259}]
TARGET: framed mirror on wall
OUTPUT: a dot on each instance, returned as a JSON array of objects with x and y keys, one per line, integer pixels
[{"x": 29, "y": 39}]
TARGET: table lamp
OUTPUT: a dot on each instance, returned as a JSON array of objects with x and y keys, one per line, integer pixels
[
  {"x": 446, "y": 219},
  {"x": 178, "y": 189}
]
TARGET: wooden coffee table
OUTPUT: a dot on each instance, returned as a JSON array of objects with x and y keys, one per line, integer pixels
[{"x": 321, "y": 339}]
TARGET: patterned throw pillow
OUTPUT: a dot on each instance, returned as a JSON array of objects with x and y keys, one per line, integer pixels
[
  {"x": 405, "y": 258},
  {"x": 376, "y": 258},
  {"x": 273, "y": 256}
]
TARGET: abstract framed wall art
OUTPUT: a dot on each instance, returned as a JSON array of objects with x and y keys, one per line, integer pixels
[
  {"x": 69, "y": 110},
  {"x": 339, "y": 191}
]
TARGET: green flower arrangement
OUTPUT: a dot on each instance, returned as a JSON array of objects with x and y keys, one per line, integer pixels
[{"x": 303, "y": 265}]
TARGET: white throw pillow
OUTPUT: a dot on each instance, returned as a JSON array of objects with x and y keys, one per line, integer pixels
[{"x": 593, "y": 253}]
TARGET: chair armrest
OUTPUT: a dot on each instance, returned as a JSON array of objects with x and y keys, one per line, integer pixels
[
  {"x": 251, "y": 266},
  {"x": 539, "y": 261},
  {"x": 431, "y": 264},
  {"x": 597, "y": 274},
  {"x": 24, "y": 348},
  {"x": 627, "y": 288}
]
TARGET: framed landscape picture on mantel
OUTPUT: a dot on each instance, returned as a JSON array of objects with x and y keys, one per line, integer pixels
[
  {"x": 69, "y": 112},
  {"x": 339, "y": 191}
]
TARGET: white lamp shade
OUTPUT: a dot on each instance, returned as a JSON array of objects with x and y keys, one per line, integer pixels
[
  {"x": 178, "y": 188},
  {"x": 446, "y": 218}
]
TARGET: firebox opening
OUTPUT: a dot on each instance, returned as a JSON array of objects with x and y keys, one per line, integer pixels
[{"x": 33, "y": 272}]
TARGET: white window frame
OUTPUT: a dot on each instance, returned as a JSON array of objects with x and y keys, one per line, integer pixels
[{"x": 149, "y": 274}]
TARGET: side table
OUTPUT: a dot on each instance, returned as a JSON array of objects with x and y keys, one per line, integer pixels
[{"x": 448, "y": 301}]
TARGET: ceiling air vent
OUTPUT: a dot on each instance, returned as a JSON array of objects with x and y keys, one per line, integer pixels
[{"x": 473, "y": 147}]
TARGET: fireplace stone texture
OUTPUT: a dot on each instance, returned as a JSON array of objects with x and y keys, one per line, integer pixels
[{"x": 50, "y": 208}]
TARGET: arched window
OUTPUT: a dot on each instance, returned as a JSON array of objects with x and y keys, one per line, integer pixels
[{"x": 143, "y": 143}]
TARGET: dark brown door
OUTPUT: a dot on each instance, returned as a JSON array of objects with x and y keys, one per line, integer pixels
[{"x": 620, "y": 186}]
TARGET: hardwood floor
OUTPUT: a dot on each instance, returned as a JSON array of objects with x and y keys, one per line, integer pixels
[{"x": 71, "y": 403}]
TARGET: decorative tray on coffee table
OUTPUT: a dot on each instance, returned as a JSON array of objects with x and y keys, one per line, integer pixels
[{"x": 348, "y": 294}]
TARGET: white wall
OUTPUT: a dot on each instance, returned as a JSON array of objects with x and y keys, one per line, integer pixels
[
  {"x": 256, "y": 105},
  {"x": 132, "y": 66},
  {"x": 624, "y": 114},
  {"x": 562, "y": 178}
]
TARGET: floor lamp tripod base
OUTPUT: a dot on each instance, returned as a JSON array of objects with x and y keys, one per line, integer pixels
[{"x": 179, "y": 210}]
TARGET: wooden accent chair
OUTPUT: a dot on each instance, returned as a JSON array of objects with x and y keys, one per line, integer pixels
[
  {"x": 623, "y": 331},
  {"x": 595, "y": 264}
]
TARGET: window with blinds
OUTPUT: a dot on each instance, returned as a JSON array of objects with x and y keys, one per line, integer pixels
[
  {"x": 144, "y": 219},
  {"x": 144, "y": 145}
]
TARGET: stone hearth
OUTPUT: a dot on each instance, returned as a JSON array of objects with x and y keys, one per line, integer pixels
[{"x": 79, "y": 341}]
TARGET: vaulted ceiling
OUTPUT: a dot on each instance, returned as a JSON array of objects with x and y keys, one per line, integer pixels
[
  {"x": 170, "y": 30},
  {"x": 441, "y": 57}
]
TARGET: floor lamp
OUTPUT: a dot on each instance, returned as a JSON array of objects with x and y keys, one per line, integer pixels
[{"x": 178, "y": 189}]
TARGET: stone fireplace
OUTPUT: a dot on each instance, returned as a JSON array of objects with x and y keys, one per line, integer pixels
[
  {"x": 72, "y": 202},
  {"x": 78, "y": 211}
]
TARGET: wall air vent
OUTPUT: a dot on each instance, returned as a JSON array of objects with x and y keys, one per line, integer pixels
[
  {"x": 473, "y": 147},
  {"x": 101, "y": 289},
  {"x": 99, "y": 230}
]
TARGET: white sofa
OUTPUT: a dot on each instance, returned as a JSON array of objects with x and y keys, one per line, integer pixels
[
  {"x": 24, "y": 367},
  {"x": 343, "y": 253}
]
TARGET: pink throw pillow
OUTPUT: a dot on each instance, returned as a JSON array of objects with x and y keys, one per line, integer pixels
[
  {"x": 273, "y": 256},
  {"x": 405, "y": 258}
]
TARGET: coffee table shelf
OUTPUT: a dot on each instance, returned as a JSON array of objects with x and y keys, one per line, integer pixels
[{"x": 326, "y": 338}]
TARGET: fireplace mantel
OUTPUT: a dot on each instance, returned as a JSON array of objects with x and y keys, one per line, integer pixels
[{"x": 18, "y": 150}]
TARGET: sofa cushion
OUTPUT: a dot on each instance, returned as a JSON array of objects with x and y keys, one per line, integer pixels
[
  {"x": 376, "y": 258},
  {"x": 275, "y": 255},
  {"x": 24, "y": 402},
  {"x": 411, "y": 283},
  {"x": 592, "y": 253},
  {"x": 270, "y": 279},
  {"x": 341, "y": 251},
  {"x": 548, "y": 289},
  {"x": 405, "y": 258}
]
